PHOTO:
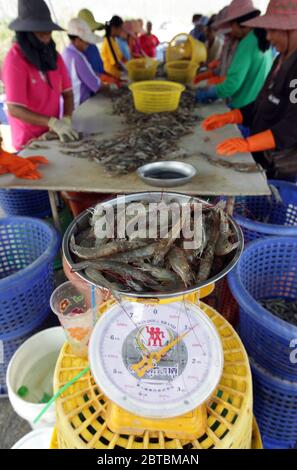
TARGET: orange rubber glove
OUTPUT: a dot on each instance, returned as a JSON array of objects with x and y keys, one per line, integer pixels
[
  {"x": 213, "y": 64},
  {"x": 21, "y": 167},
  {"x": 108, "y": 79},
  {"x": 257, "y": 143},
  {"x": 203, "y": 76},
  {"x": 220, "y": 120},
  {"x": 215, "y": 80}
]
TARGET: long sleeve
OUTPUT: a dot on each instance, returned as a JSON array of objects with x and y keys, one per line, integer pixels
[
  {"x": 86, "y": 74},
  {"x": 238, "y": 70},
  {"x": 248, "y": 114}
]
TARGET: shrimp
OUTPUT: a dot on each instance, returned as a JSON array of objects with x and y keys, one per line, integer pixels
[
  {"x": 102, "y": 251},
  {"x": 179, "y": 264}
]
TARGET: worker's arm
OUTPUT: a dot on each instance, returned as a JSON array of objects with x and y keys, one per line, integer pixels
[
  {"x": 238, "y": 70},
  {"x": 87, "y": 75},
  {"x": 24, "y": 114},
  {"x": 68, "y": 102}
]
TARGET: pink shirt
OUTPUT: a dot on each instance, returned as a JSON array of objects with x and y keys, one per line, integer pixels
[{"x": 39, "y": 92}]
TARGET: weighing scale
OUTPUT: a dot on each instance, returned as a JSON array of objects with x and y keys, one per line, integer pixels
[
  {"x": 157, "y": 363},
  {"x": 167, "y": 371}
]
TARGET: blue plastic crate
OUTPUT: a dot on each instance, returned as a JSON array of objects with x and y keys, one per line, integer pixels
[
  {"x": 282, "y": 220},
  {"x": 275, "y": 408},
  {"x": 25, "y": 202},
  {"x": 28, "y": 248},
  {"x": 267, "y": 269}
]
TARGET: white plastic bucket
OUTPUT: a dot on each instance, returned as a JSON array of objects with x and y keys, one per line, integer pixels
[
  {"x": 38, "y": 439},
  {"x": 33, "y": 350}
]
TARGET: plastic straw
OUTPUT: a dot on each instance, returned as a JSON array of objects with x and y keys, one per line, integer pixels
[{"x": 59, "y": 392}]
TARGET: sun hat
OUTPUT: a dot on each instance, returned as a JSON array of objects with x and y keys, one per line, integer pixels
[
  {"x": 280, "y": 14},
  {"x": 235, "y": 10},
  {"x": 33, "y": 16},
  {"x": 87, "y": 16},
  {"x": 78, "y": 27}
]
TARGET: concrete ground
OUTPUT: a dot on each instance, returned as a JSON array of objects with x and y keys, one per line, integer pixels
[{"x": 12, "y": 427}]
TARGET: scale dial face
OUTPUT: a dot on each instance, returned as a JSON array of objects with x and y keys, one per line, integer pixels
[{"x": 177, "y": 340}]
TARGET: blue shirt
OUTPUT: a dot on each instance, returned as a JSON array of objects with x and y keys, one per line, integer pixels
[
  {"x": 125, "y": 49},
  {"x": 93, "y": 55}
]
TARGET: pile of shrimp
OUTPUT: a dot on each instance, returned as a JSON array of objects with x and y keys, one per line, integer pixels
[{"x": 139, "y": 263}]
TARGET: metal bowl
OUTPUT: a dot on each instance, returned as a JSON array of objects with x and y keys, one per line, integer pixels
[
  {"x": 167, "y": 174},
  {"x": 82, "y": 221}
]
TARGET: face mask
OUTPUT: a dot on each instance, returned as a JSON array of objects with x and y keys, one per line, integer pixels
[{"x": 42, "y": 56}]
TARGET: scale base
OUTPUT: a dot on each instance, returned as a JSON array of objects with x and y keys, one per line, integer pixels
[{"x": 189, "y": 426}]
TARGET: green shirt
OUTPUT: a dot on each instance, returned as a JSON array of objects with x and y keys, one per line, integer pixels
[{"x": 247, "y": 72}]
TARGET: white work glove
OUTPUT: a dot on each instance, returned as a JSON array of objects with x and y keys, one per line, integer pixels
[{"x": 63, "y": 128}]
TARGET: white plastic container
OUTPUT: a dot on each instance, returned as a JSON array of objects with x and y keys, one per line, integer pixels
[
  {"x": 38, "y": 439},
  {"x": 40, "y": 346}
]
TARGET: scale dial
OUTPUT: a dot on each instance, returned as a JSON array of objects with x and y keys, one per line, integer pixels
[{"x": 157, "y": 361}]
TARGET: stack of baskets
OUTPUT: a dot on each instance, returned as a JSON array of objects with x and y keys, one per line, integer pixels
[
  {"x": 183, "y": 57},
  {"x": 25, "y": 202},
  {"x": 268, "y": 270},
  {"x": 280, "y": 220},
  {"x": 280, "y": 216},
  {"x": 81, "y": 410},
  {"x": 28, "y": 248}
]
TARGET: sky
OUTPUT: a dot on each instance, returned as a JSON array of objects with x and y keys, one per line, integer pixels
[{"x": 176, "y": 14}]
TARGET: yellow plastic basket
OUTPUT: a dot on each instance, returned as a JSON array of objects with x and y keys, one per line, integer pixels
[
  {"x": 142, "y": 69},
  {"x": 156, "y": 96},
  {"x": 81, "y": 409},
  {"x": 182, "y": 71},
  {"x": 184, "y": 47}
]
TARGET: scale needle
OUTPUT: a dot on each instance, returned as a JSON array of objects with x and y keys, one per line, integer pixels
[{"x": 148, "y": 362}]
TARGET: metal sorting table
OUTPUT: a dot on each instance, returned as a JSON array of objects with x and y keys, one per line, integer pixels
[{"x": 66, "y": 173}]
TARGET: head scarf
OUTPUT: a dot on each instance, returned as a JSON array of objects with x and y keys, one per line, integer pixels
[{"x": 42, "y": 56}]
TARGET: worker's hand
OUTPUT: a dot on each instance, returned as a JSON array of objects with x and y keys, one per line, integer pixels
[
  {"x": 38, "y": 160},
  {"x": 232, "y": 146},
  {"x": 63, "y": 128},
  {"x": 105, "y": 78},
  {"x": 257, "y": 143},
  {"x": 19, "y": 166},
  {"x": 213, "y": 64},
  {"x": 203, "y": 76},
  {"x": 220, "y": 120},
  {"x": 215, "y": 80},
  {"x": 206, "y": 95}
]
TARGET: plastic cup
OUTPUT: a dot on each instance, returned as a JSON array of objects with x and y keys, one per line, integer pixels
[{"x": 77, "y": 315}]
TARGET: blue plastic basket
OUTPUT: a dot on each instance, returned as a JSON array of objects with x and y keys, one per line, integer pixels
[
  {"x": 28, "y": 248},
  {"x": 282, "y": 220},
  {"x": 275, "y": 408},
  {"x": 25, "y": 202},
  {"x": 267, "y": 269}
]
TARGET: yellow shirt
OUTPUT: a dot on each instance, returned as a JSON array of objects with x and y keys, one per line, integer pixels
[{"x": 109, "y": 62}]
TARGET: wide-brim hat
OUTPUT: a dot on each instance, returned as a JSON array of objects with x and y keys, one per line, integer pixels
[
  {"x": 87, "y": 16},
  {"x": 280, "y": 14},
  {"x": 79, "y": 28},
  {"x": 33, "y": 16},
  {"x": 235, "y": 10}
]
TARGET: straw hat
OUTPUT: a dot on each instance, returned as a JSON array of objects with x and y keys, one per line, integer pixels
[
  {"x": 237, "y": 9},
  {"x": 33, "y": 16},
  {"x": 87, "y": 16},
  {"x": 79, "y": 28},
  {"x": 280, "y": 14}
]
